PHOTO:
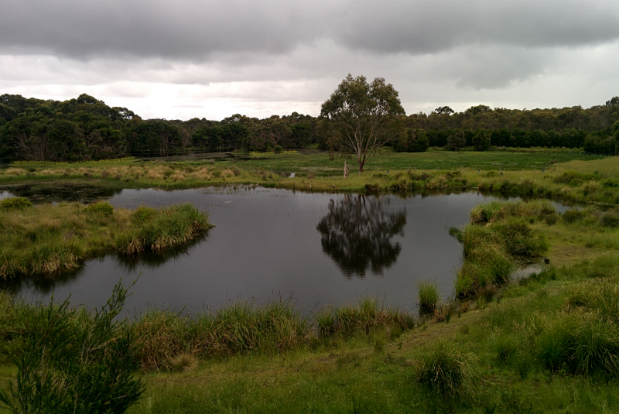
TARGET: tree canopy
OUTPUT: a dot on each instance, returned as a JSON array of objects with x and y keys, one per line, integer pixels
[
  {"x": 365, "y": 114},
  {"x": 358, "y": 118}
]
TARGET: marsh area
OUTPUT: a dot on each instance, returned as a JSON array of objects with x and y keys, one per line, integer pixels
[{"x": 318, "y": 248}]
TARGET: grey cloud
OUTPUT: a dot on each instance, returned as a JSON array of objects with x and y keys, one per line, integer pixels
[{"x": 195, "y": 30}]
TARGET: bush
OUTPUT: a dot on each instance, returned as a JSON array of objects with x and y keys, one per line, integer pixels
[
  {"x": 72, "y": 363},
  {"x": 15, "y": 203},
  {"x": 456, "y": 141},
  {"x": 610, "y": 219},
  {"x": 551, "y": 219},
  {"x": 420, "y": 144},
  {"x": 572, "y": 215}
]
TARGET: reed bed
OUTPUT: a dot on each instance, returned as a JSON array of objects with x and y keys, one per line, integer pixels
[{"x": 168, "y": 339}]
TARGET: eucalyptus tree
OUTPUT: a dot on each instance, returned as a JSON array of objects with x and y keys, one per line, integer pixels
[{"x": 366, "y": 114}]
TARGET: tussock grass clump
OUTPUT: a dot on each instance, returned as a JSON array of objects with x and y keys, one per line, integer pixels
[
  {"x": 368, "y": 313},
  {"x": 47, "y": 239},
  {"x": 428, "y": 295},
  {"x": 582, "y": 346},
  {"x": 446, "y": 371},
  {"x": 183, "y": 362},
  {"x": 100, "y": 208},
  {"x": 15, "y": 203}
]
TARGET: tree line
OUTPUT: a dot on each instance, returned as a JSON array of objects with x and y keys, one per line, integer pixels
[{"x": 85, "y": 128}]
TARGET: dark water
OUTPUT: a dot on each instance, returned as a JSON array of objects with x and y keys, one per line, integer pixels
[{"x": 318, "y": 248}]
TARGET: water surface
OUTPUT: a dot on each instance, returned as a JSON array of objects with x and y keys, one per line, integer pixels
[{"x": 268, "y": 243}]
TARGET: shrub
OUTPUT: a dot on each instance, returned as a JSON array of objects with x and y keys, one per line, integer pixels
[
  {"x": 572, "y": 215},
  {"x": 15, "y": 203},
  {"x": 551, "y": 219},
  {"x": 610, "y": 219},
  {"x": 76, "y": 364},
  {"x": 428, "y": 295},
  {"x": 100, "y": 208}
]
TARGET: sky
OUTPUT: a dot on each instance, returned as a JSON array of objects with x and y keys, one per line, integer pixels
[{"x": 212, "y": 59}]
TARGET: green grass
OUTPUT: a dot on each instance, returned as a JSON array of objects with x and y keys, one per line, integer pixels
[
  {"x": 494, "y": 360},
  {"x": 45, "y": 240},
  {"x": 442, "y": 160},
  {"x": 532, "y": 174},
  {"x": 571, "y": 176},
  {"x": 428, "y": 295}
]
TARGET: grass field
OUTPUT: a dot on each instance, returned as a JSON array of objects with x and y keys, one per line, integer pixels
[{"x": 571, "y": 176}]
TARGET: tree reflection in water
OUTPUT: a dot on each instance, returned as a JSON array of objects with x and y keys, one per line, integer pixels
[{"x": 357, "y": 234}]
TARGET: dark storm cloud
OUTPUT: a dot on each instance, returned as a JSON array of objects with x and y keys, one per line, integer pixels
[{"x": 195, "y": 30}]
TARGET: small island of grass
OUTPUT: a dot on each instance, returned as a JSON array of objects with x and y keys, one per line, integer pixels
[{"x": 45, "y": 240}]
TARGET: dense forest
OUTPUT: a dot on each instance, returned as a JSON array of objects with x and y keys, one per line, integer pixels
[{"x": 86, "y": 128}]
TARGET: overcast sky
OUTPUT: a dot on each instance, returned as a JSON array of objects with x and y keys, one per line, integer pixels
[{"x": 185, "y": 59}]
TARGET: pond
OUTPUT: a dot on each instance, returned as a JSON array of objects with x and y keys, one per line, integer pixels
[{"x": 317, "y": 248}]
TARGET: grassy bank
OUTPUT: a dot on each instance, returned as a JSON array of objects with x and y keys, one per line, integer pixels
[
  {"x": 568, "y": 176},
  {"x": 45, "y": 240},
  {"x": 544, "y": 343}
]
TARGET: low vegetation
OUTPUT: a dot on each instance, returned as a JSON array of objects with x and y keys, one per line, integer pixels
[
  {"x": 428, "y": 296},
  {"x": 46, "y": 239},
  {"x": 542, "y": 342},
  {"x": 70, "y": 361},
  {"x": 550, "y": 345},
  {"x": 580, "y": 178}
]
